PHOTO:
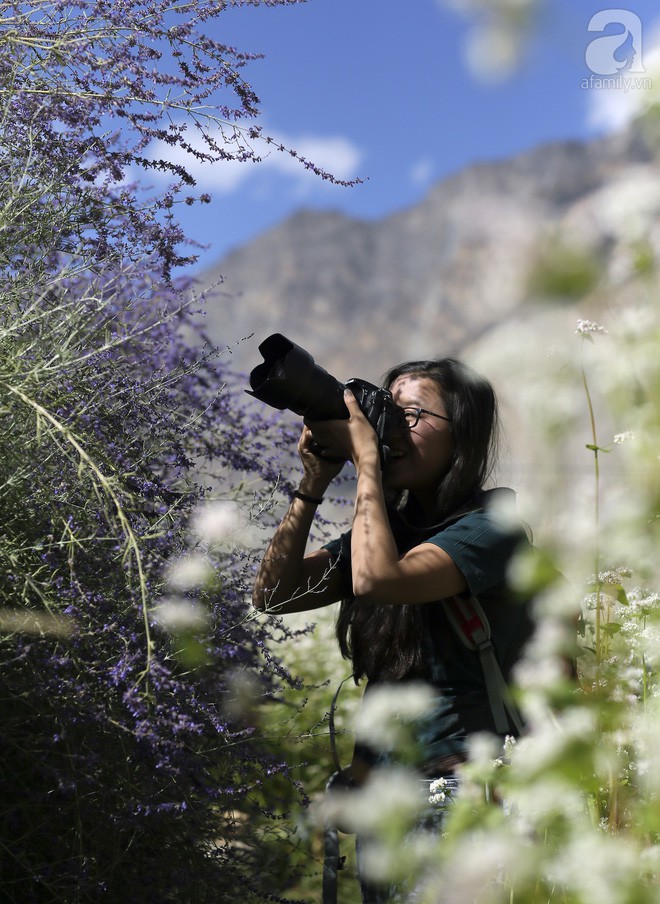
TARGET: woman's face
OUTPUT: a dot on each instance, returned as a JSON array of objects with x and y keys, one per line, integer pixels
[{"x": 421, "y": 456}]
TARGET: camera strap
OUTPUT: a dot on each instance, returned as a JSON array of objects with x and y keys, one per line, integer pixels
[{"x": 332, "y": 862}]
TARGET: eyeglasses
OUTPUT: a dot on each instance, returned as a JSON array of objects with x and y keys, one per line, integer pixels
[{"x": 411, "y": 416}]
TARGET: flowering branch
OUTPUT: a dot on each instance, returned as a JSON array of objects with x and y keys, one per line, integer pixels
[
  {"x": 95, "y": 85},
  {"x": 132, "y": 543}
]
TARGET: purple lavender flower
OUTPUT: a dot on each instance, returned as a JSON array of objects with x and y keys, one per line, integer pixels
[{"x": 123, "y": 767}]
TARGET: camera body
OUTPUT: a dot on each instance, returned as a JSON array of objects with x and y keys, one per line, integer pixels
[{"x": 289, "y": 379}]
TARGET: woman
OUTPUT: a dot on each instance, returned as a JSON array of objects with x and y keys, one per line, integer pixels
[{"x": 423, "y": 531}]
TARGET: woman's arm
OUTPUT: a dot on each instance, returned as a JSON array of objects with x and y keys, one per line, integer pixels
[
  {"x": 288, "y": 580},
  {"x": 379, "y": 574}
]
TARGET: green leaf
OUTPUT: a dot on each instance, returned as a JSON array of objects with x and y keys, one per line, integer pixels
[{"x": 611, "y": 628}]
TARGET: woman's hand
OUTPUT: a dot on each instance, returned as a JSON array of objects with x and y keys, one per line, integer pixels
[
  {"x": 351, "y": 439},
  {"x": 363, "y": 437},
  {"x": 318, "y": 471}
]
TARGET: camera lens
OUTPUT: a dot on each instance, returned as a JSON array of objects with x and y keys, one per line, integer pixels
[{"x": 289, "y": 378}]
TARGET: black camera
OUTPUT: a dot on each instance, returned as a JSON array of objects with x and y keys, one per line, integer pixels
[{"x": 289, "y": 378}]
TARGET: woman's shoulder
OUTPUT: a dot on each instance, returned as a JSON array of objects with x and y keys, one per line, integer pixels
[
  {"x": 488, "y": 521},
  {"x": 482, "y": 538},
  {"x": 498, "y": 503}
]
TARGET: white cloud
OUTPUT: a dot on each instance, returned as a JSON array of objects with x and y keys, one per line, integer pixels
[
  {"x": 421, "y": 172},
  {"x": 334, "y": 154},
  {"x": 610, "y": 109}
]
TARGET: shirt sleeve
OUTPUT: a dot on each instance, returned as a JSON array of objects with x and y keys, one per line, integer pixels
[
  {"x": 481, "y": 547},
  {"x": 340, "y": 554}
]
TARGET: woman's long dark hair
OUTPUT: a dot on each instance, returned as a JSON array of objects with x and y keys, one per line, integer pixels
[{"x": 388, "y": 642}]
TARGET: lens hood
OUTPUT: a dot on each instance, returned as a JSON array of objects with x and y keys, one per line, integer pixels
[{"x": 289, "y": 378}]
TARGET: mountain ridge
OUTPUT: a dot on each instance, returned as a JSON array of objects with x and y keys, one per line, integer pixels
[{"x": 433, "y": 278}]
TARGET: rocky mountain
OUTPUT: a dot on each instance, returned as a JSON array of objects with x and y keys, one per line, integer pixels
[{"x": 439, "y": 276}]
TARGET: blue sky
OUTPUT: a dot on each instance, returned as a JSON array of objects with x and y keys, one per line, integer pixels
[{"x": 384, "y": 90}]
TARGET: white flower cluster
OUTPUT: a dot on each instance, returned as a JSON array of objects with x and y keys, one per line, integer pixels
[
  {"x": 388, "y": 708},
  {"x": 391, "y": 795},
  {"x": 589, "y": 327},
  {"x": 179, "y": 614},
  {"x": 496, "y": 41},
  {"x": 189, "y": 572},
  {"x": 215, "y": 521},
  {"x": 179, "y": 611},
  {"x": 438, "y": 791},
  {"x": 624, "y": 437}
]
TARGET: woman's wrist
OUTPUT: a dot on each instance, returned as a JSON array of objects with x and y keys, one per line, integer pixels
[
  {"x": 304, "y": 497},
  {"x": 367, "y": 459},
  {"x": 313, "y": 489}
]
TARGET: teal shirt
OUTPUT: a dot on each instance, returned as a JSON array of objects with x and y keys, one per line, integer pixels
[{"x": 482, "y": 548}]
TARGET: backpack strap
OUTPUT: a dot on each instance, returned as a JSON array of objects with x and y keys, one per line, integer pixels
[{"x": 471, "y": 625}]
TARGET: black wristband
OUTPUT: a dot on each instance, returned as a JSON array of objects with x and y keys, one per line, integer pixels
[{"x": 298, "y": 495}]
